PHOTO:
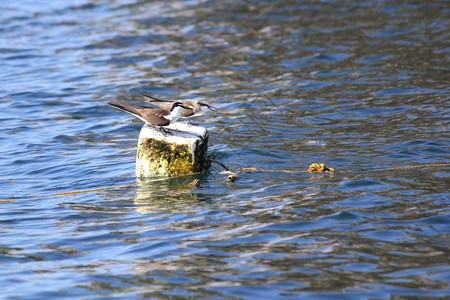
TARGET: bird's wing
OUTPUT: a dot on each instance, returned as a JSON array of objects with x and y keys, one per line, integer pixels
[
  {"x": 149, "y": 98},
  {"x": 155, "y": 116}
]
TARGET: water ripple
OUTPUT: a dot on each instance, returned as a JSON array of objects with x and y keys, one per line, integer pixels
[{"x": 360, "y": 86}]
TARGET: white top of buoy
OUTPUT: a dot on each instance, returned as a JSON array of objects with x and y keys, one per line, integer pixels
[{"x": 178, "y": 132}]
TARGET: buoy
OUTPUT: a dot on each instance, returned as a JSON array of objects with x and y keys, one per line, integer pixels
[{"x": 177, "y": 149}]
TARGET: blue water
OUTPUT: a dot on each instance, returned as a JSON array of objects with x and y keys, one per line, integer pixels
[{"x": 360, "y": 86}]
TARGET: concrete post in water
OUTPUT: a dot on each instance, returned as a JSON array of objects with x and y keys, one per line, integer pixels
[{"x": 182, "y": 151}]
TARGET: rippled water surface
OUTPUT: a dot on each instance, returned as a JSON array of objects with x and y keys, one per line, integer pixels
[{"x": 362, "y": 86}]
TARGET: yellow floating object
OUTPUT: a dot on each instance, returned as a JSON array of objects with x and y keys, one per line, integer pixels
[
  {"x": 195, "y": 183},
  {"x": 232, "y": 177},
  {"x": 319, "y": 168}
]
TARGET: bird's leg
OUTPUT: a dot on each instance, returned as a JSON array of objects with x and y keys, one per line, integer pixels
[
  {"x": 164, "y": 131},
  {"x": 188, "y": 121}
]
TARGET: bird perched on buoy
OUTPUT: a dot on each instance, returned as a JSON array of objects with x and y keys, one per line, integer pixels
[
  {"x": 158, "y": 117},
  {"x": 194, "y": 107}
]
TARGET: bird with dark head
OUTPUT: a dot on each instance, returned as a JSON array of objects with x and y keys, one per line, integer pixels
[
  {"x": 194, "y": 107},
  {"x": 151, "y": 115}
]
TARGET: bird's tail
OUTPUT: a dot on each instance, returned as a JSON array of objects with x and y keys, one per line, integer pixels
[{"x": 120, "y": 105}]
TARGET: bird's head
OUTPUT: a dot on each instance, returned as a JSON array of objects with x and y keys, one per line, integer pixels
[{"x": 205, "y": 104}]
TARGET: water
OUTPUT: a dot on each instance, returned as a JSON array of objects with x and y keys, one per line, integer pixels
[{"x": 362, "y": 87}]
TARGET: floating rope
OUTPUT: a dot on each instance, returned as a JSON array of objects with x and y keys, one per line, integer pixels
[
  {"x": 233, "y": 176},
  {"x": 95, "y": 189},
  {"x": 414, "y": 167},
  {"x": 313, "y": 168}
]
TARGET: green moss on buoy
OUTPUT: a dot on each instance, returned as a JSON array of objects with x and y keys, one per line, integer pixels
[{"x": 182, "y": 152}]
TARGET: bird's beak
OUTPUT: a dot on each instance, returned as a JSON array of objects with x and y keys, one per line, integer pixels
[{"x": 212, "y": 108}]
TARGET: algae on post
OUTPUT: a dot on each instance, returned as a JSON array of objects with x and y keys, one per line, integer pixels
[{"x": 174, "y": 155}]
